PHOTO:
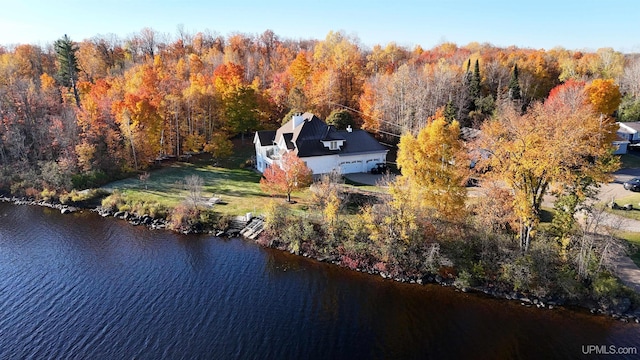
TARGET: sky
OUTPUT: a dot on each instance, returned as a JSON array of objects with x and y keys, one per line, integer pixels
[{"x": 541, "y": 24}]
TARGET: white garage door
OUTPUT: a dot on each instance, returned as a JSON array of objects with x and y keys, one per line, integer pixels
[{"x": 349, "y": 167}]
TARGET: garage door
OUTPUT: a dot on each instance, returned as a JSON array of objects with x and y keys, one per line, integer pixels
[{"x": 349, "y": 167}]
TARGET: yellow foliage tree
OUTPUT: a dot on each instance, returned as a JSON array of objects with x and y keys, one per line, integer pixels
[
  {"x": 604, "y": 95},
  {"x": 551, "y": 144},
  {"x": 435, "y": 164}
]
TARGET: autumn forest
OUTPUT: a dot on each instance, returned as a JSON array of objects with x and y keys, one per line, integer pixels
[
  {"x": 77, "y": 114},
  {"x": 89, "y": 110}
]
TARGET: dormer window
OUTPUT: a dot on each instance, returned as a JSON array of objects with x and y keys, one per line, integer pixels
[{"x": 333, "y": 145}]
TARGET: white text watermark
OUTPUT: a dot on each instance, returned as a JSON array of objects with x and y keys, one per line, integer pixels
[{"x": 609, "y": 350}]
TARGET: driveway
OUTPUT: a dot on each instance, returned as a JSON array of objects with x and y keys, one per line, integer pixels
[{"x": 369, "y": 179}]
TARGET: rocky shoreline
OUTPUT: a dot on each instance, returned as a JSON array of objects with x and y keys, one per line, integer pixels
[
  {"x": 620, "y": 309},
  {"x": 130, "y": 217},
  {"x": 64, "y": 209}
]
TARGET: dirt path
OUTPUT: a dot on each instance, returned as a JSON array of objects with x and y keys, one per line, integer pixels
[
  {"x": 628, "y": 272},
  {"x": 624, "y": 267}
]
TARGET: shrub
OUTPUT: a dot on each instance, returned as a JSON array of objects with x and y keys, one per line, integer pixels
[
  {"x": 48, "y": 194},
  {"x": 88, "y": 195},
  {"x": 183, "y": 218},
  {"x": 567, "y": 281},
  {"x": 91, "y": 179},
  {"x": 113, "y": 201},
  {"x": 208, "y": 219},
  {"x": 349, "y": 262},
  {"x": 276, "y": 217},
  {"x": 518, "y": 273},
  {"x": 464, "y": 280},
  {"x": 32, "y": 192},
  {"x": 606, "y": 285},
  {"x": 223, "y": 222}
]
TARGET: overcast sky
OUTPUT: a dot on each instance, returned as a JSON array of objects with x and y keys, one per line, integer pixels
[{"x": 543, "y": 24}]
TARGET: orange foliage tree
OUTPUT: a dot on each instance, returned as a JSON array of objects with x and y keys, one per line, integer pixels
[
  {"x": 291, "y": 175},
  {"x": 604, "y": 95}
]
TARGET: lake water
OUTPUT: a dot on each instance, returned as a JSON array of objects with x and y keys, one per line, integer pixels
[{"x": 83, "y": 287}]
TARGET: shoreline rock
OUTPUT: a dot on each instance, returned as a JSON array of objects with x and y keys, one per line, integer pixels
[
  {"x": 63, "y": 208},
  {"x": 622, "y": 312}
]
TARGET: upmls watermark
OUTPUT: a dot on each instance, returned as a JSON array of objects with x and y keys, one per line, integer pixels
[{"x": 609, "y": 350}]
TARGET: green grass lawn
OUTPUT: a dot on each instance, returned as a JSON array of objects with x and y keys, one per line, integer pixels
[
  {"x": 239, "y": 189},
  {"x": 633, "y": 199}
]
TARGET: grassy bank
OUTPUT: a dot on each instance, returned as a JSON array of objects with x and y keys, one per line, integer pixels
[{"x": 238, "y": 188}]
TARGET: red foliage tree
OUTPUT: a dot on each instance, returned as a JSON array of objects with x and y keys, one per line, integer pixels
[{"x": 292, "y": 174}]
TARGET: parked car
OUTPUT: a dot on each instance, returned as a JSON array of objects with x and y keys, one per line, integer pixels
[
  {"x": 380, "y": 168},
  {"x": 633, "y": 184}
]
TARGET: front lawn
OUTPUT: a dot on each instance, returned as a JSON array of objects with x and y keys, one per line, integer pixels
[
  {"x": 238, "y": 188},
  {"x": 633, "y": 199}
]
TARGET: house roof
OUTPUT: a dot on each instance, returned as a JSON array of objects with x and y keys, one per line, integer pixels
[
  {"x": 306, "y": 138},
  {"x": 287, "y": 140},
  {"x": 635, "y": 125},
  {"x": 266, "y": 137}
]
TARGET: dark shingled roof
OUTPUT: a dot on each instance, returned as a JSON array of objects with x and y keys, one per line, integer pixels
[
  {"x": 287, "y": 140},
  {"x": 308, "y": 136},
  {"x": 266, "y": 137}
]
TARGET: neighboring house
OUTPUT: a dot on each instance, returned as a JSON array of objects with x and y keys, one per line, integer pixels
[
  {"x": 320, "y": 146},
  {"x": 628, "y": 136}
]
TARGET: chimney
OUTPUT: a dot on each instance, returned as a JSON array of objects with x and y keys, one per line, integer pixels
[
  {"x": 349, "y": 129},
  {"x": 297, "y": 119}
]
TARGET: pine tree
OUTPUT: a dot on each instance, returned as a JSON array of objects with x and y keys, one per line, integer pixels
[
  {"x": 469, "y": 104},
  {"x": 450, "y": 112},
  {"x": 514, "y": 85},
  {"x": 68, "y": 64},
  {"x": 474, "y": 84}
]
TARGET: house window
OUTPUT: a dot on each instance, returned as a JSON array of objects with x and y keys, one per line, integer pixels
[{"x": 333, "y": 145}]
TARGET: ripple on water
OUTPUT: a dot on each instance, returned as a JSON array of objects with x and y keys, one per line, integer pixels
[{"x": 81, "y": 286}]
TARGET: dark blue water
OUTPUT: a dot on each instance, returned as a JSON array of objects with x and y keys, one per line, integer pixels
[{"x": 83, "y": 287}]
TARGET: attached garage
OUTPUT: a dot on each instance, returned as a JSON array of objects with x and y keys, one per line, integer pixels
[{"x": 350, "y": 167}]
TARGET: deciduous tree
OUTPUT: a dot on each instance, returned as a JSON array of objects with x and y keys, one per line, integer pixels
[
  {"x": 551, "y": 144},
  {"x": 289, "y": 175},
  {"x": 604, "y": 95},
  {"x": 434, "y": 163}
]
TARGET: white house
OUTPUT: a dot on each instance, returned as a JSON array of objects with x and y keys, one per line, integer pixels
[
  {"x": 628, "y": 136},
  {"x": 322, "y": 147}
]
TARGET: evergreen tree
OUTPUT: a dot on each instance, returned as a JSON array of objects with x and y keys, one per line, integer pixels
[
  {"x": 474, "y": 84},
  {"x": 450, "y": 112},
  {"x": 341, "y": 119},
  {"x": 68, "y": 64},
  {"x": 514, "y": 85}
]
